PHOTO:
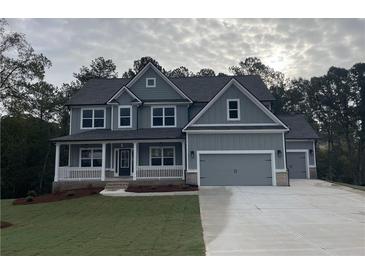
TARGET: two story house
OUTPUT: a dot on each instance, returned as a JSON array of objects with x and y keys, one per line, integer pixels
[{"x": 209, "y": 131}]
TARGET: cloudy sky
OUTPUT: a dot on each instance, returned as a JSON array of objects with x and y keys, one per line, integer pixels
[{"x": 297, "y": 47}]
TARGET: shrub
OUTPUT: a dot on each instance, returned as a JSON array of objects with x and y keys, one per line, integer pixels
[
  {"x": 31, "y": 193},
  {"x": 70, "y": 193},
  {"x": 29, "y": 199}
]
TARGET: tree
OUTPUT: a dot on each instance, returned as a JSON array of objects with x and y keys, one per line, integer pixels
[
  {"x": 19, "y": 67},
  {"x": 139, "y": 64},
  {"x": 205, "y": 72},
  {"x": 99, "y": 68},
  {"x": 179, "y": 72},
  {"x": 254, "y": 66}
]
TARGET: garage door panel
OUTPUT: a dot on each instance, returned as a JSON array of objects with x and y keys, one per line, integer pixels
[
  {"x": 297, "y": 165},
  {"x": 235, "y": 169}
]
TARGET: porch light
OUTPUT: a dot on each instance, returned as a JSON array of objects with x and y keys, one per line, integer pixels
[
  {"x": 192, "y": 154},
  {"x": 279, "y": 152}
]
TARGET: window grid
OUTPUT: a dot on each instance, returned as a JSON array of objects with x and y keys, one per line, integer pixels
[
  {"x": 165, "y": 119},
  {"x": 93, "y": 157},
  {"x": 92, "y": 118},
  {"x": 162, "y": 156},
  {"x": 150, "y": 82},
  {"x": 123, "y": 117},
  {"x": 233, "y": 112}
]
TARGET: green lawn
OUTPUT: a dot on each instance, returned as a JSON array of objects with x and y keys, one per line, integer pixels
[{"x": 98, "y": 225}]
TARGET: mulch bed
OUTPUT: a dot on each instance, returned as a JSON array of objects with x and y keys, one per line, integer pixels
[
  {"x": 5, "y": 224},
  {"x": 160, "y": 188},
  {"x": 59, "y": 196}
]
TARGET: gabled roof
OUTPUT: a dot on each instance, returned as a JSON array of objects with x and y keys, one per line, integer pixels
[
  {"x": 249, "y": 95},
  {"x": 198, "y": 89},
  {"x": 120, "y": 92},
  {"x": 298, "y": 126}
]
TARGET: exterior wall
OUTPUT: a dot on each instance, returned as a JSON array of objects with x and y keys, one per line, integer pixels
[
  {"x": 76, "y": 118},
  {"x": 237, "y": 141},
  {"x": 144, "y": 116},
  {"x": 162, "y": 90},
  {"x": 249, "y": 112},
  {"x": 144, "y": 152},
  {"x": 308, "y": 144},
  {"x": 194, "y": 109}
]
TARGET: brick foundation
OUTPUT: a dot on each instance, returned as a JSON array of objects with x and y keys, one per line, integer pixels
[
  {"x": 313, "y": 173},
  {"x": 192, "y": 178},
  {"x": 282, "y": 179}
]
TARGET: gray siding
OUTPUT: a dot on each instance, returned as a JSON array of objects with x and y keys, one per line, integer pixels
[
  {"x": 249, "y": 112},
  {"x": 144, "y": 116},
  {"x": 162, "y": 90},
  {"x": 302, "y": 145},
  {"x": 195, "y": 109},
  {"x": 76, "y": 118},
  {"x": 254, "y": 141},
  {"x": 144, "y": 152}
]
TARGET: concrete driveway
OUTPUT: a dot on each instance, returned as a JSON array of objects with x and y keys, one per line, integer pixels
[{"x": 311, "y": 217}]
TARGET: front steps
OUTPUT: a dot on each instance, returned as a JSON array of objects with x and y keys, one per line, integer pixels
[{"x": 113, "y": 186}]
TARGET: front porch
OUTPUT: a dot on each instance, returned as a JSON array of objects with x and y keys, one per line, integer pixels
[{"x": 121, "y": 161}]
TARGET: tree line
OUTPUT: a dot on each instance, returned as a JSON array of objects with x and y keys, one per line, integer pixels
[{"x": 33, "y": 110}]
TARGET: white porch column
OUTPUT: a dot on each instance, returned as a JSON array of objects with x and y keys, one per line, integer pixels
[
  {"x": 183, "y": 158},
  {"x": 57, "y": 163},
  {"x": 135, "y": 154},
  {"x": 103, "y": 161}
]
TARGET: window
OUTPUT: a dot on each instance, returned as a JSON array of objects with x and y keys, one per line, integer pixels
[
  {"x": 162, "y": 156},
  {"x": 163, "y": 116},
  {"x": 93, "y": 118},
  {"x": 150, "y": 82},
  {"x": 125, "y": 116},
  {"x": 233, "y": 109},
  {"x": 90, "y": 157}
]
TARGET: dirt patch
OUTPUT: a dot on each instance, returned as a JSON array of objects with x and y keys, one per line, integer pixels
[
  {"x": 160, "y": 188},
  {"x": 5, "y": 224},
  {"x": 59, "y": 196}
]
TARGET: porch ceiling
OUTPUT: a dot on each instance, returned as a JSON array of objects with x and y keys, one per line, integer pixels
[{"x": 108, "y": 135}]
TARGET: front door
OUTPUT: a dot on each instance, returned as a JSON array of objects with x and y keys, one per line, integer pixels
[{"x": 124, "y": 162}]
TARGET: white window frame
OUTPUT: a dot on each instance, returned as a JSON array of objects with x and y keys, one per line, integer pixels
[
  {"x": 92, "y": 118},
  {"x": 130, "y": 116},
  {"x": 91, "y": 156},
  {"x": 238, "y": 110},
  {"x": 154, "y": 82},
  {"x": 162, "y": 156},
  {"x": 163, "y": 116}
]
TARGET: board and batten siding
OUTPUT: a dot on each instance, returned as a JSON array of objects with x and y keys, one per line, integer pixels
[
  {"x": 306, "y": 144},
  {"x": 76, "y": 118},
  {"x": 234, "y": 141},
  {"x": 162, "y": 91},
  {"x": 249, "y": 112}
]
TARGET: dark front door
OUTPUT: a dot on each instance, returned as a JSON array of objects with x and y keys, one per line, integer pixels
[{"x": 124, "y": 162}]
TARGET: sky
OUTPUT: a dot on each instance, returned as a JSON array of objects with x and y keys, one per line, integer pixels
[{"x": 296, "y": 47}]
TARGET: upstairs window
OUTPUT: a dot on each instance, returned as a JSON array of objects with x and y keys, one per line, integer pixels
[
  {"x": 162, "y": 156},
  {"x": 90, "y": 157},
  {"x": 150, "y": 82},
  {"x": 163, "y": 116},
  {"x": 92, "y": 118},
  {"x": 233, "y": 109},
  {"x": 125, "y": 116}
]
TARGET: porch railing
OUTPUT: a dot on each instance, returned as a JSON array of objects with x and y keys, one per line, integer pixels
[
  {"x": 146, "y": 172},
  {"x": 79, "y": 173}
]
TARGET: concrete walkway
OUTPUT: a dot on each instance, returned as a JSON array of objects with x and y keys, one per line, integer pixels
[{"x": 311, "y": 217}]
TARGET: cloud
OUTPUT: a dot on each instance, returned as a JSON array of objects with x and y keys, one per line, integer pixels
[{"x": 297, "y": 47}]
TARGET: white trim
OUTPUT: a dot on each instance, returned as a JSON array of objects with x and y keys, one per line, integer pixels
[
  {"x": 112, "y": 118},
  {"x": 154, "y": 82},
  {"x": 187, "y": 151},
  {"x": 69, "y": 155},
  {"x": 130, "y": 116},
  {"x": 150, "y": 65},
  {"x": 183, "y": 156},
  {"x": 163, "y": 116},
  {"x": 116, "y": 159},
  {"x": 244, "y": 91},
  {"x": 166, "y": 102},
  {"x": 103, "y": 161},
  {"x": 120, "y": 141},
  {"x": 227, "y": 125},
  {"x": 120, "y": 91},
  {"x": 57, "y": 162},
  {"x": 192, "y": 170},
  {"x": 314, "y": 155},
  {"x": 162, "y": 156},
  {"x": 281, "y": 170},
  {"x": 284, "y": 151},
  {"x": 135, "y": 153},
  {"x": 306, "y": 152},
  {"x": 238, "y": 109},
  {"x": 70, "y": 115},
  {"x": 93, "y": 117},
  {"x": 229, "y": 131},
  {"x": 271, "y": 152}
]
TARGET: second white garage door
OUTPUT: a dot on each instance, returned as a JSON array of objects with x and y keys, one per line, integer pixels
[{"x": 235, "y": 170}]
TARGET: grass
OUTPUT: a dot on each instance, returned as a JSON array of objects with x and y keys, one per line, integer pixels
[{"x": 98, "y": 225}]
